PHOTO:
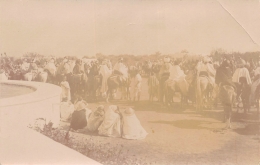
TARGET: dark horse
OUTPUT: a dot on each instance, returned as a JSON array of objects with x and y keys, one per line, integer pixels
[
  {"x": 94, "y": 81},
  {"x": 116, "y": 81}
]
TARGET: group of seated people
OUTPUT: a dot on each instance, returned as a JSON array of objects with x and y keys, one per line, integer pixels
[{"x": 110, "y": 121}]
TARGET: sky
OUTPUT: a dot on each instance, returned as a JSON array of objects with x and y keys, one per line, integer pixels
[{"x": 87, "y": 27}]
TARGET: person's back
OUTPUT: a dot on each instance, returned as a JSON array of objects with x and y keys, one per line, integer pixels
[{"x": 66, "y": 110}]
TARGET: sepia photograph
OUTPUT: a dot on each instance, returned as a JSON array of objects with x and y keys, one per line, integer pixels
[{"x": 133, "y": 82}]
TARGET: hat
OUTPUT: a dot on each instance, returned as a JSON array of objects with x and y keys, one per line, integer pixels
[
  {"x": 129, "y": 112},
  {"x": 80, "y": 105}
]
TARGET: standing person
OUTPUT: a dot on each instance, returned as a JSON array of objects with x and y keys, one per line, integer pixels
[
  {"x": 153, "y": 85},
  {"x": 65, "y": 89},
  {"x": 105, "y": 72},
  {"x": 78, "y": 67},
  {"x": 3, "y": 75},
  {"x": 136, "y": 86}
]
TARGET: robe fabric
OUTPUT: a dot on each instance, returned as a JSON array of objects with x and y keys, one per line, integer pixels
[
  {"x": 65, "y": 90},
  {"x": 176, "y": 73},
  {"x": 153, "y": 84},
  {"x": 66, "y": 110},
  {"x": 51, "y": 68},
  {"x": 209, "y": 68},
  {"x": 111, "y": 126},
  {"x": 136, "y": 85},
  {"x": 241, "y": 72},
  {"x": 106, "y": 73},
  {"x": 3, "y": 76},
  {"x": 132, "y": 128},
  {"x": 120, "y": 67},
  {"x": 95, "y": 120}
]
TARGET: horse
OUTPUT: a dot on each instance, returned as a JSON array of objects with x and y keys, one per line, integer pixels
[
  {"x": 227, "y": 95},
  {"x": 203, "y": 90},
  {"x": 94, "y": 81},
  {"x": 181, "y": 85},
  {"x": 116, "y": 81}
]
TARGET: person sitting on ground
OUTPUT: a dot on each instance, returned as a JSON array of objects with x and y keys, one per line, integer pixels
[
  {"x": 96, "y": 118},
  {"x": 111, "y": 126},
  {"x": 132, "y": 128},
  {"x": 66, "y": 109},
  {"x": 80, "y": 115},
  {"x": 65, "y": 89}
]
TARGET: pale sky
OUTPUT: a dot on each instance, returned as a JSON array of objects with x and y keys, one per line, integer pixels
[{"x": 63, "y": 28}]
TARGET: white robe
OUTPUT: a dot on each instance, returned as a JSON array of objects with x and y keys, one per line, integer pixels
[
  {"x": 65, "y": 90},
  {"x": 121, "y": 68},
  {"x": 66, "y": 110},
  {"x": 132, "y": 128},
  {"x": 94, "y": 121},
  {"x": 105, "y": 72},
  {"x": 241, "y": 72},
  {"x": 136, "y": 85},
  {"x": 111, "y": 126},
  {"x": 3, "y": 76},
  {"x": 51, "y": 68},
  {"x": 176, "y": 73}
]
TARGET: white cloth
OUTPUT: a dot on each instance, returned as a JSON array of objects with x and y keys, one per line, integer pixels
[
  {"x": 257, "y": 71},
  {"x": 95, "y": 119},
  {"x": 136, "y": 85},
  {"x": 105, "y": 72},
  {"x": 241, "y": 72},
  {"x": 176, "y": 73},
  {"x": 51, "y": 68},
  {"x": 121, "y": 68},
  {"x": 209, "y": 68},
  {"x": 132, "y": 128},
  {"x": 3, "y": 76},
  {"x": 65, "y": 90},
  {"x": 66, "y": 110},
  {"x": 111, "y": 126},
  {"x": 25, "y": 66}
]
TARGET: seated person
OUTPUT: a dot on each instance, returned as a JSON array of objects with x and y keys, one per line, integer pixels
[
  {"x": 66, "y": 109},
  {"x": 80, "y": 115},
  {"x": 111, "y": 126},
  {"x": 96, "y": 118},
  {"x": 132, "y": 128}
]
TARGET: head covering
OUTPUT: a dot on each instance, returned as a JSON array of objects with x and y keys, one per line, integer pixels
[
  {"x": 113, "y": 107},
  {"x": 129, "y": 111},
  {"x": 80, "y": 105}
]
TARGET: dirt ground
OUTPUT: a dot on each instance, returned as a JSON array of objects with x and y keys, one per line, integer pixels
[{"x": 185, "y": 136}]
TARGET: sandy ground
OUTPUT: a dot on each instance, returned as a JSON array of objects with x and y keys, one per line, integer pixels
[{"x": 185, "y": 137}]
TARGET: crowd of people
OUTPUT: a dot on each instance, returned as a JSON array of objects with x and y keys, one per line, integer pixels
[{"x": 197, "y": 80}]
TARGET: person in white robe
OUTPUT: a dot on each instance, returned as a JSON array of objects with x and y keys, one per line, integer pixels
[
  {"x": 106, "y": 73},
  {"x": 121, "y": 68},
  {"x": 255, "y": 83},
  {"x": 3, "y": 75},
  {"x": 241, "y": 71},
  {"x": 51, "y": 67},
  {"x": 207, "y": 67},
  {"x": 132, "y": 128},
  {"x": 136, "y": 85},
  {"x": 65, "y": 89},
  {"x": 96, "y": 118},
  {"x": 66, "y": 110},
  {"x": 176, "y": 72},
  {"x": 111, "y": 126}
]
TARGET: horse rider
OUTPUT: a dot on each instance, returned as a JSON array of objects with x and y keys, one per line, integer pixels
[
  {"x": 241, "y": 71},
  {"x": 206, "y": 68},
  {"x": 121, "y": 69}
]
